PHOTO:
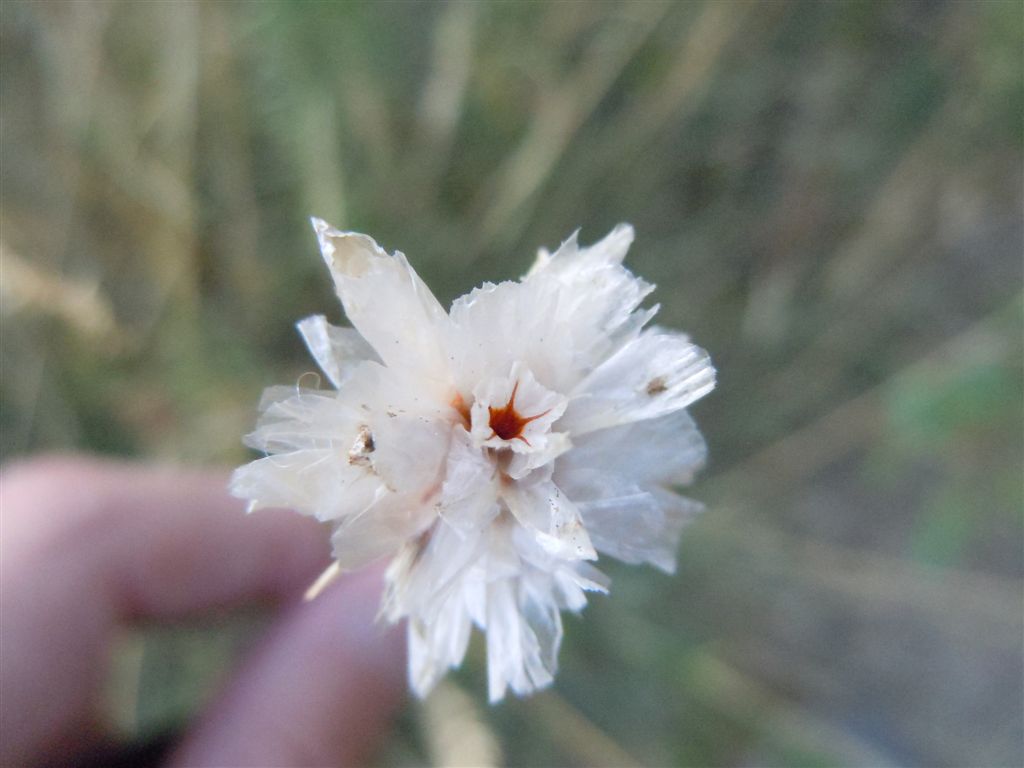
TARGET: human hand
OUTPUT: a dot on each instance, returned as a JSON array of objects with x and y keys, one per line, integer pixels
[{"x": 88, "y": 546}]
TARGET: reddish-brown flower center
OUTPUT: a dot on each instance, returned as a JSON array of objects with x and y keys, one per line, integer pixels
[{"x": 507, "y": 423}]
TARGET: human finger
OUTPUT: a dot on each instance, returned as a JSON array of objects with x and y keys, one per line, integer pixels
[
  {"x": 89, "y": 544},
  {"x": 319, "y": 690},
  {"x": 153, "y": 542}
]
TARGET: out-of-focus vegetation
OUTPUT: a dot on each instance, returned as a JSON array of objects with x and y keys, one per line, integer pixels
[{"x": 828, "y": 196}]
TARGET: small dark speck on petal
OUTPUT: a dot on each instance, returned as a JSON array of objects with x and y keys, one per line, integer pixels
[{"x": 656, "y": 386}]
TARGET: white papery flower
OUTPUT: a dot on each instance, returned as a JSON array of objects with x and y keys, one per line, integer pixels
[{"x": 491, "y": 451}]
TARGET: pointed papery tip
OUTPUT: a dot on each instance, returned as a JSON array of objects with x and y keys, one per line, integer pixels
[
  {"x": 348, "y": 254},
  {"x": 324, "y": 231},
  {"x": 612, "y": 248},
  {"x": 622, "y": 235},
  {"x": 568, "y": 248}
]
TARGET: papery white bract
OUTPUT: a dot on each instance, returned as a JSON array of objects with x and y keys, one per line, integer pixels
[{"x": 491, "y": 451}]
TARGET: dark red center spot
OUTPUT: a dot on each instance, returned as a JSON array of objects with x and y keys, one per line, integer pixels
[{"x": 507, "y": 423}]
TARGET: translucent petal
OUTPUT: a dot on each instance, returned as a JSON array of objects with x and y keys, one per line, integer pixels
[
  {"x": 571, "y": 584},
  {"x": 550, "y": 448},
  {"x": 438, "y": 646},
  {"x": 568, "y": 578},
  {"x": 630, "y": 523},
  {"x": 611, "y": 249},
  {"x": 523, "y": 635},
  {"x": 410, "y": 452},
  {"x": 653, "y": 375},
  {"x": 665, "y": 450},
  {"x": 336, "y": 350},
  {"x": 440, "y": 588},
  {"x": 470, "y": 490},
  {"x": 562, "y": 320},
  {"x": 496, "y": 325},
  {"x": 386, "y": 301},
  {"x": 544, "y": 622},
  {"x": 428, "y": 570},
  {"x": 555, "y": 520},
  {"x": 321, "y": 483},
  {"x": 379, "y": 530},
  {"x": 295, "y": 419}
]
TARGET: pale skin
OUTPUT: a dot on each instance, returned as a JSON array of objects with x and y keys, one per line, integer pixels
[{"x": 88, "y": 547}]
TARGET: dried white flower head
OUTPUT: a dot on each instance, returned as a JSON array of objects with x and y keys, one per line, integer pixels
[{"x": 491, "y": 451}]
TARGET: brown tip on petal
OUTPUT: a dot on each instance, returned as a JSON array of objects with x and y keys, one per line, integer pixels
[
  {"x": 346, "y": 253},
  {"x": 352, "y": 253}
]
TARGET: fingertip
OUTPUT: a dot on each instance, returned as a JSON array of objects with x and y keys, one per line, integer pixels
[{"x": 321, "y": 689}]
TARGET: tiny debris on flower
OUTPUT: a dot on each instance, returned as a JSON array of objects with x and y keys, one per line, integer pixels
[
  {"x": 491, "y": 451},
  {"x": 362, "y": 448},
  {"x": 656, "y": 386}
]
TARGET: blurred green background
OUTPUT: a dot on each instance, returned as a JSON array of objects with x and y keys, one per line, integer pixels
[{"x": 828, "y": 196}]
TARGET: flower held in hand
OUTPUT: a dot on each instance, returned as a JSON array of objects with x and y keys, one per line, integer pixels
[{"x": 491, "y": 451}]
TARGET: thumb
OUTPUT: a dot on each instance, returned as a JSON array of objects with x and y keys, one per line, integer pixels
[{"x": 319, "y": 690}]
